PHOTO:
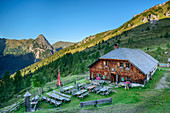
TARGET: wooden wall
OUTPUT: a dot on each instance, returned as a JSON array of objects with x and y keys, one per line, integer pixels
[{"x": 134, "y": 74}]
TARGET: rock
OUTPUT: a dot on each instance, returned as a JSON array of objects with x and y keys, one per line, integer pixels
[
  {"x": 167, "y": 14},
  {"x": 144, "y": 20},
  {"x": 41, "y": 45},
  {"x": 153, "y": 19},
  {"x": 134, "y": 15},
  {"x": 129, "y": 25}
]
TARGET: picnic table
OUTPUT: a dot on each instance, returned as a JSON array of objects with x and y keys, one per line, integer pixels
[
  {"x": 96, "y": 89},
  {"x": 91, "y": 87},
  {"x": 67, "y": 88},
  {"x": 104, "y": 89},
  {"x": 53, "y": 95},
  {"x": 80, "y": 92},
  {"x": 68, "y": 96},
  {"x": 101, "y": 81},
  {"x": 95, "y": 82},
  {"x": 81, "y": 85}
]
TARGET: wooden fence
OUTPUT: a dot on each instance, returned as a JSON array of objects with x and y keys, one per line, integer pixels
[
  {"x": 15, "y": 107},
  {"x": 95, "y": 102}
]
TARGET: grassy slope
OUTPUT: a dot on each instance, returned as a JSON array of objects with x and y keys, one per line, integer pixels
[
  {"x": 111, "y": 34},
  {"x": 62, "y": 44},
  {"x": 145, "y": 99},
  {"x": 16, "y": 47}
]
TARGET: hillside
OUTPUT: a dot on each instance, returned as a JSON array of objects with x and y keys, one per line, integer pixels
[
  {"x": 148, "y": 31},
  {"x": 62, "y": 44},
  {"x": 145, "y": 31},
  {"x": 17, "y": 54}
]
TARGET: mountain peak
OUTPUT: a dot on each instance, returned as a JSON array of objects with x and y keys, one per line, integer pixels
[
  {"x": 41, "y": 36},
  {"x": 40, "y": 46}
]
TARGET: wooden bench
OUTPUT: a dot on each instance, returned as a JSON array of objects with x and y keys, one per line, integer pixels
[
  {"x": 57, "y": 103},
  {"x": 83, "y": 95},
  {"x": 74, "y": 92},
  {"x": 98, "y": 92},
  {"x": 68, "y": 96},
  {"x": 87, "y": 86},
  {"x": 52, "y": 101},
  {"x": 95, "y": 102},
  {"x": 68, "y": 92},
  {"x": 97, "y": 89}
]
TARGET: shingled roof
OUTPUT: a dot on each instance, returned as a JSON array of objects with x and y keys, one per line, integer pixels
[{"x": 143, "y": 61}]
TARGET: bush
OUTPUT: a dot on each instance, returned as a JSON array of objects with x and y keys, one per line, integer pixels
[
  {"x": 166, "y": 35},
  {"x": 168, "y": 45}
]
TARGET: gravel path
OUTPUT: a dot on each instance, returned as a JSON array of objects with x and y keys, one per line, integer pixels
[{"x": 163, "y": 83}]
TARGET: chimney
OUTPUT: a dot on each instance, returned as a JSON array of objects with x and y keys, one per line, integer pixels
[{"x": 116, "y": 46}]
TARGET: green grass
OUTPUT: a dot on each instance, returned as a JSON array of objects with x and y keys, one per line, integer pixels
[
  {"x": 137, "y": 97},
  {"x": 147, "y": 99}
]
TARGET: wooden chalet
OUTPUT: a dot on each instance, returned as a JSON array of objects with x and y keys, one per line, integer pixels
[{"x": 124, "y": 64}]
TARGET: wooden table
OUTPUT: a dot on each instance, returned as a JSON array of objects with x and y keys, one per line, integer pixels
[
  {"x": 68, "y": 88},
  {"x": 91, "y": 87},
  {"x": 53, "y": 95},
  {"x": 82, "y": 84},
  {"x": 80, "y": 92},
  {"x": 104, "y": 88}
]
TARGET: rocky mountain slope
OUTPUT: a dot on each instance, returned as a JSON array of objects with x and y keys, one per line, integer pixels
[
  {"x": 41, "y": 47},
  {"x": 17, "y": 54},
  {"x": 146, "y": 27}
]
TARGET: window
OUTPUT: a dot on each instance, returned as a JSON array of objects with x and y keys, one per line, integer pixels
[
  {"x": 121, "y": 64},
  {"x": 105, "y": 63},
  {"x": 127, "y": 65}
]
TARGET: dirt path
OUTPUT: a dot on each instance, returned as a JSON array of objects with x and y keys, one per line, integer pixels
[{"x": 162, "y": 84}]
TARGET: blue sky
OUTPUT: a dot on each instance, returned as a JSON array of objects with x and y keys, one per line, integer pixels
[{"x": 66, "y": 20}]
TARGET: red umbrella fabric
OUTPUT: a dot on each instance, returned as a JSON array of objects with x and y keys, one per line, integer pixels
[{"x": 58, "y": 80}]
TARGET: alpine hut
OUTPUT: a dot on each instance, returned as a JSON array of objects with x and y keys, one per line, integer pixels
[{"x": 124, "y": 64}]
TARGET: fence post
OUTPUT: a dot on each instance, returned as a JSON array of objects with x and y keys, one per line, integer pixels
[
  {"x": 95, "y": 103},
  {"x": 27, "y": 101},
  {"x": 111, "y": 100},
  {"x": 81, "y": 105}
]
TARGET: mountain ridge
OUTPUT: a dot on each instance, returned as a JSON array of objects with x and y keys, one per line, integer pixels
[
  {"x": 62, "y": 44},
  {"x": 24, "y": 52},
  {"x": 151, "y": 17}
]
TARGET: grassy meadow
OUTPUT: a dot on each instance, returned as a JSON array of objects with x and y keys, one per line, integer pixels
[{"x": 140, "y": 99}]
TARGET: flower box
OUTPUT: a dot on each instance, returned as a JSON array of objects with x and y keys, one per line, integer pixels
[{"x": 98, "y": 78}]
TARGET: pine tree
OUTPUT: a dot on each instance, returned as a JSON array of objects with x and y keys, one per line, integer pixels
[
  {"x": 97, "y": 54},
  {"x": 8, "y": 86},
  {"x": 18, "y": 81},
  {"x": 156, "y": 55},
  {"x": 38, "y": 80},
  {"x": 168, "y": 45},
  {"x": 166, "y": 35},
  {"x": 159, "y": 50}
]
